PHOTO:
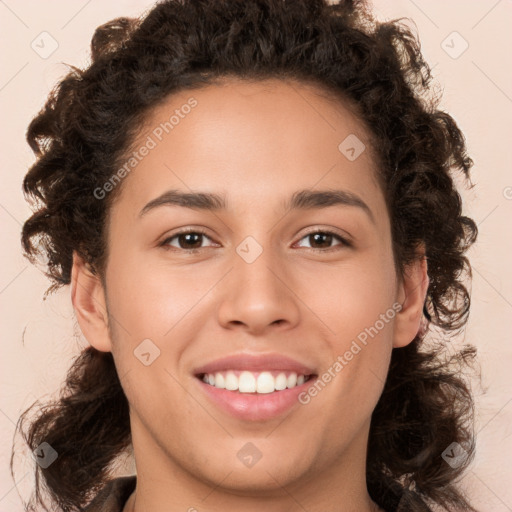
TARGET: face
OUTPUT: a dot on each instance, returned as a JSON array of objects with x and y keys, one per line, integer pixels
[{"x": 261, "y": 275}]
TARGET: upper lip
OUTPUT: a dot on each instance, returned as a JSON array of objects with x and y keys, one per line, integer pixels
[{"x": 255, "y": 362}]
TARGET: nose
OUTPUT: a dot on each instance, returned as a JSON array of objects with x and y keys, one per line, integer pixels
[{"x": 258, "y": 296}]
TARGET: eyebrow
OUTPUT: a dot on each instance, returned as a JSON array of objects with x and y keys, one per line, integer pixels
[{"x": 300, "y": 200}]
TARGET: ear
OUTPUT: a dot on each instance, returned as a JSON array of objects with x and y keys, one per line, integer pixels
[
  {"x": 89, "y": 303},
  {"x": 411, "y": 295}
]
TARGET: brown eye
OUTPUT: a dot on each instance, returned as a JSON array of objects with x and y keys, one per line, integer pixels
[
  {"x": 190, "y": 240},
  {"x": 187, "y": 240},
  {"x": 322, "y": 240}
]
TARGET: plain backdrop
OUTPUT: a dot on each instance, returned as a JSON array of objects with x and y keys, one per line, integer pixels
[{"x": 467, "y": 43}]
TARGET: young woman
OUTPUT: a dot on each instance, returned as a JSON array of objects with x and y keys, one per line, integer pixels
[{"x": 252, "y": 202}]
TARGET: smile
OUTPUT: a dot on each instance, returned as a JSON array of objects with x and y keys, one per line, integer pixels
[{"x": 254, "y": 382}]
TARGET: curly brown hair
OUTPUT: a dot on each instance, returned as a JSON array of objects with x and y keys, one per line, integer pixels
[{"x": 86, "y": 129}]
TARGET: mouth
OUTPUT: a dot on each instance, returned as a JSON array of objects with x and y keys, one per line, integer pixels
[
  {"x": 254, "y": 386},
  {"x": 255, "y": 396},
  {"x": 249, "y": 382}
]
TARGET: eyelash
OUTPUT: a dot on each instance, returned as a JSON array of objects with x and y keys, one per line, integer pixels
[{"x": 165, "y": 243}]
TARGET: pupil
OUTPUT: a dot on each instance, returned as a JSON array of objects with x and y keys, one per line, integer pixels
[
  {"x": 322, "y": 235},
  {"x": 188, "y": 242}
]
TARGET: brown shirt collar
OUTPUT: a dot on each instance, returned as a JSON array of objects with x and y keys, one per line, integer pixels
[{"x": 113, "y": 496}]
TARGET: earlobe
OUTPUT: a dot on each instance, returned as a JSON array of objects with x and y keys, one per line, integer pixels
[
  {"x": 89, "y": 303},
  {"x": 413, "y": 291}
]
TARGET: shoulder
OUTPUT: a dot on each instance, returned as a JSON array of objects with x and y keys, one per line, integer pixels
[
  {"x": 393, "y": 497},
  {"x": 410, "y": 501},
  {"x": 113, "y": 495}
]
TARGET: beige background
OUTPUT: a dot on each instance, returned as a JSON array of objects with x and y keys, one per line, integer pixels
[{"x": 477, "y": 92}]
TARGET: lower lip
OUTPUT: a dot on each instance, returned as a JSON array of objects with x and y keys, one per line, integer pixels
[{"x": 255, "y": 406}]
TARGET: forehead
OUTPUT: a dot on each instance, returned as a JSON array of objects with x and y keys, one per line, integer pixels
[{"x": 251, "y": 141}]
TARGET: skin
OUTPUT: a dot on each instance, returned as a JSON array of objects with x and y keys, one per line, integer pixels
[{"x": 256, "y": 143}]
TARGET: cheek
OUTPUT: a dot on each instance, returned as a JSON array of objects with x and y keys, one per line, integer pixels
[
  {"x": 150, "y": 299},
  {"x": 353, "y": 297},
  {"x": 359, "y": 308}
]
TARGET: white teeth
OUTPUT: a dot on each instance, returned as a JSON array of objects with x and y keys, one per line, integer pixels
[
  {"x": 246, "y": 383},
  {"x": 292, "y": 380},
  {"x": 219, "y": 381},
  {"x": 265, "y": 383},
  {"x": 249, "y": 382},
  {"x": 280, "y": 382},
  {"x": 231, "y": 381}
]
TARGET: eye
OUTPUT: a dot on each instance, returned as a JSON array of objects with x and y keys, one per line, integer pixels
[
  {"x": 325, "y": 238},
  {"x": 188, "y": 239},
  {"x": 191, "y": 239}
]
